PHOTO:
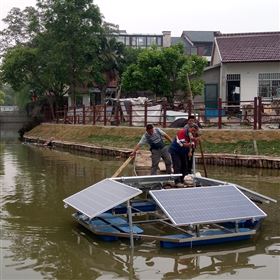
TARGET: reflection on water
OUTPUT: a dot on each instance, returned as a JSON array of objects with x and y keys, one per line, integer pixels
[{"x": 39, "y": 239}]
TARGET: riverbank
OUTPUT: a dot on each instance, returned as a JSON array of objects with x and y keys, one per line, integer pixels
[{"x": 250, "y": 148}]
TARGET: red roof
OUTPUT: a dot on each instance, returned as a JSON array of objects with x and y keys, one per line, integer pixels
[{"x": 249, "y": 47}]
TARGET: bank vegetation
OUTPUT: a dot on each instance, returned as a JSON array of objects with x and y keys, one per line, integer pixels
[{"x": 244, "y": 142}]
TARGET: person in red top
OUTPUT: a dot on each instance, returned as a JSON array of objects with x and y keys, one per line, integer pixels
[{"x": 180, "y": 150}]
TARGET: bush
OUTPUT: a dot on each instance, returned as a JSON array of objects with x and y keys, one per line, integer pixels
[{"x": 28, "y": 126}]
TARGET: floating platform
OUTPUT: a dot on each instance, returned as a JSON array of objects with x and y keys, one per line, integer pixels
[{"x": 115, "y": 208}]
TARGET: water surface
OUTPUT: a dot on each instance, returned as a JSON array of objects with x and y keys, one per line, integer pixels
[{"x": 39, "y": 239}]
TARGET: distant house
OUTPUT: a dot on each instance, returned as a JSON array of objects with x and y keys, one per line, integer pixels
[
  {"x": 196, "y": 42},
  {"x": 243, "y": 66},
  {"x": 141, "y": 40}
]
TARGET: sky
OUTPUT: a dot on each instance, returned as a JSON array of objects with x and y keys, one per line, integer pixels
[{"x": 155, "y": 16}]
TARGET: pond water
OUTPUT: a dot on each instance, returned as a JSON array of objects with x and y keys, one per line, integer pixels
[{"x": 39, "y": 239}]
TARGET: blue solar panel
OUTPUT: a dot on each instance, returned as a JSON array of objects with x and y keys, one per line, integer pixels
[
  {"x": 203, "y": 205},
  {"x": 101, "y": 197}
]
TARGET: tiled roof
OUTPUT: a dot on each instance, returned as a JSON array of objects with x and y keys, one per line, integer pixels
[
  {"x": 199, "y": 36},
  {"x": 249, "y": 47}
]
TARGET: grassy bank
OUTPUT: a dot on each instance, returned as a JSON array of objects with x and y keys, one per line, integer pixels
[{"x": 214, "y": 141}]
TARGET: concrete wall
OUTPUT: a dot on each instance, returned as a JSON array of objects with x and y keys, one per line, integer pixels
[
  {"x": 13, "y": 117},
  {"x": 216, "y": 56},
  {"x": 211, "y": 76},
  {"x": 166, "y": 39},
  {"x": 9, "y": 109},
  {"x": 11, "y": 121},
  {"x": 86, "y": 99},
  {"x": 249, "y": 73}
]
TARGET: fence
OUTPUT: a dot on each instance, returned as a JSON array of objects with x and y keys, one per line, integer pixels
[{"x": 252, "y": 114}]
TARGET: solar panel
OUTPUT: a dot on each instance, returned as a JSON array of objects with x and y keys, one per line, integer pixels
[
  {"x": 203, "y": 205},
  {"x": 100, "y": 197}
]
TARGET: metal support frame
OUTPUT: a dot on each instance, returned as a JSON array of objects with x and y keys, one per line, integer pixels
[{"x": 129, "y": 212}]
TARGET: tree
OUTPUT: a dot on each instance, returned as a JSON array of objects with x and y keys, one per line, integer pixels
[
  {"x": 165, "y": 71},
  {"x": 132, "y": 79},
  {"x": 22, "y": 27},
  {"x": 147, "y": 73},
  {"x": 110, "y": 58},
  {"x": 71, "y": 41},
  {"x": 61, "y": 52},
  {"x": 193, "y": 67},
  {"x": 2, "y": 97}
]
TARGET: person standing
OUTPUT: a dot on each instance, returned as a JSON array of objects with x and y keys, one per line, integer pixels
[
  {"x": 49, "y": 143},
  {"x": 180, "y": 150},
  {"x": 195, "y": 138},
  {"x": 192, "y": 120},
  {"x": 154, "y": 137}
]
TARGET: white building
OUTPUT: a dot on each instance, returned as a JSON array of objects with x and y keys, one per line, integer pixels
[{"x": 243, "y": 66}]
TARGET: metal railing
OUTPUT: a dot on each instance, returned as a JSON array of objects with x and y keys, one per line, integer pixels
[{"x": 252, "y": 114}]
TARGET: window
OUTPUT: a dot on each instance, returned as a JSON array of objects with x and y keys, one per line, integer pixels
[
  {"x": 159, "y": 41},
  {"x": 204, "y": 50},
  {"x": 269, "y": 85},
  {"x": 134, "y": 41},
  {"x": 233, "y": 77},
  {"x": 127, "y": 41},
  {"x": 141, "y": 41},
  {"x": 121, "y": 39},
  {"x": 151, "y": 41}
]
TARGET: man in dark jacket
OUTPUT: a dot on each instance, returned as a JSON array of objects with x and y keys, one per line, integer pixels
[{"x": 180, "y": 150}]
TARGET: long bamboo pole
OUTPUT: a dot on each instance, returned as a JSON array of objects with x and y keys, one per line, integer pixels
[
  {"x": 117, "y": 173},
  {"x": 203, "y": 160}
]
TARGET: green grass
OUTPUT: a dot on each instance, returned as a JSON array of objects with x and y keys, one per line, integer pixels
[
  {"x": 271, "y": 148},
  {"x": 114, "y": 141},
  {"x": 219, "y": 141}
]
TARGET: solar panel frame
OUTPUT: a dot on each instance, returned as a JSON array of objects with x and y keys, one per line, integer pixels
[
  {"x": 148, "y": 179},
  {"x": 204, "y": 205},
  {"x": 100, "y": 197}
]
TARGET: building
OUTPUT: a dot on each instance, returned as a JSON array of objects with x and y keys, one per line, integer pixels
[
  {"x": 243, "y": 66},
  {"x": 197, "y": 43},
  {"x": 145, "y": 40}
]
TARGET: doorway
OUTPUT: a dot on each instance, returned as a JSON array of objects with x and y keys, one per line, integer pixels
[
  {"x": 211, "y": 95},
  {"x": 233, "y": 94}
]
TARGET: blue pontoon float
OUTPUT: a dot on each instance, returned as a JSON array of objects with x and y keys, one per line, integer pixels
[{"x": 140, "y": 208}]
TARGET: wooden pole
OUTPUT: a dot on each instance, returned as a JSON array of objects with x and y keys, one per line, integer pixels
[
  {"x": 220, "y": 108},
  {"x": 203, "y": 160},
  {"x": 117, "y": 173}
]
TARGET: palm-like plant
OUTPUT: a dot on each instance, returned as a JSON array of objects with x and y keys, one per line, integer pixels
[{"x": 111, "y": 56}]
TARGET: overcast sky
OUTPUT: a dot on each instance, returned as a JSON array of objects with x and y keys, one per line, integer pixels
[{"x": 155, "y": 16}]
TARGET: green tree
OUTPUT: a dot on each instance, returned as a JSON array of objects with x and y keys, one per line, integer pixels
[
  {"x": 71, "y": 42},
  {"x": 164, "y": 71},
  {"x": 147, "y": 73},
  {"x": 11, "y": 96},
  {"x": 61, "y": 54},
  {"x": 189, "y": 76},
  {"x": 22, "y": 27},
  {"x": 132, "y": 79},
  {"x": 2, "y": 97},
  {"x": 130, "y": 56},
  {"x": 111, "y": 54}
]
